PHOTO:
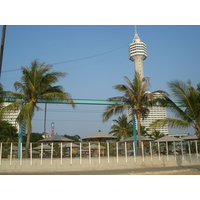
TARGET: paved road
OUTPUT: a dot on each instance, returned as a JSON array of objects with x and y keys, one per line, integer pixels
[{"x": 184, "y": 170}]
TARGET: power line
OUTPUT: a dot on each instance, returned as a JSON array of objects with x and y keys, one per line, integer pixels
[
  {"x": 78, "y": 59},
  {"x": 69, "y": 120},
  {"x": 74, "y": 60}
]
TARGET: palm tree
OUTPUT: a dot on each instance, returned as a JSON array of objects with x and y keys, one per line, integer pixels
[
  {"x": 2, "y": 94},
  {"x": 156, "y": 135},
  {"x": 122, "y": 128},
  {"x": 8, "y": 133},
  {"x": 36, "y": 83},
  {"x": 136, "y": 97},
  {"x": 187, "y": 110}
]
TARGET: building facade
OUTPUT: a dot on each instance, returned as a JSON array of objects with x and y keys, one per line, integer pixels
[{"x": 11, "y": 116}]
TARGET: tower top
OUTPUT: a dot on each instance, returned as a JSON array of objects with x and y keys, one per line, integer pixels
[{"x": 136, "y": 37}]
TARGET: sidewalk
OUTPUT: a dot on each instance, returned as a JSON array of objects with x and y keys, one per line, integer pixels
[{"x": 183, "y": 170}]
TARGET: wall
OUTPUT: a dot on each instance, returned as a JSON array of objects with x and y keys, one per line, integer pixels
[{"x": 94, "y": 163}]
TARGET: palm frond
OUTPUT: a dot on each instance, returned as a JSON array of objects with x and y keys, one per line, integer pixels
[
  {"x": 171, "y": 122},
  {"x": 112, "y": 110}
]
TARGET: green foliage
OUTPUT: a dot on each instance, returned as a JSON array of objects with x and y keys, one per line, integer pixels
[
  {"x": 188, "y": 114},
  {"x": 156, "y": 135},
  {"x": 8, "y": 133},
  {"x": 35, "y": 137},
  {"x": 135, "y": 96},
  {"x": 144, "y": 131},
  {"x": 122, "y": 128},
  {"x": 76, "y": 138},
  {"x": 37, "y": 82}
]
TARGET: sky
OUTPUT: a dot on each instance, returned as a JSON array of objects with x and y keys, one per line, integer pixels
[{"x": 95, "y": 58}]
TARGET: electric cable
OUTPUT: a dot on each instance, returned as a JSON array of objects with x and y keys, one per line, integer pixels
[{"x": 74, "y": 60}]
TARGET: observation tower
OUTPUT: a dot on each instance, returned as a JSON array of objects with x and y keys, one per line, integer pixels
[{"x": 138, "y": 53}]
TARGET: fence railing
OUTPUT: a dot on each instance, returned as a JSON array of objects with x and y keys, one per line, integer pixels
[{"x": 98, "y": 150}]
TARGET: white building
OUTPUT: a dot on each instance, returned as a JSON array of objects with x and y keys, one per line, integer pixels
[
  {"x": 11, "y": 115},
  {"x": 138, "y": 53}
]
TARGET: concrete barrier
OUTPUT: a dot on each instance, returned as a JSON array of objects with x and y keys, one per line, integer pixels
[{"x": 94, "y": 164}]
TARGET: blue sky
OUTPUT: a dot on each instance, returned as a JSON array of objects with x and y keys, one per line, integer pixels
[{"x": 96, "y": 59}]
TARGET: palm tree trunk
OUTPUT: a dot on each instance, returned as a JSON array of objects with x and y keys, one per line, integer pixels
[
  {"x": 197, "y": 128},
  {"x": 27, "y": 145},
  {"x": 139, "y": 135}
]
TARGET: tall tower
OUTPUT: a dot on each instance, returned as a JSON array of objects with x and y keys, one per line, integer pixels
[
  {"x": 138, "y": 53},
  {"x": 52, "y": 129}
]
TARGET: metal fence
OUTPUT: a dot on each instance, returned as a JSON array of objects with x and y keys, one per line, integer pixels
[{"x": 98, "y": 150}]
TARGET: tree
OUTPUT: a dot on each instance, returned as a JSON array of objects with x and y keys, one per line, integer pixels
[
  {"x": 1, "y": 94},
  {"x": 144, "y": 131},
  {"x": 35, "y": 137},
  {"x": 135, "y": 96},
  {"x": 122, "y": 128},
  {"x": 8, "y": 133},
  {"x": 37, "y": 82},
  {"x": 187, "y": 110},
  {"x": 156, "y": 135},
  {"x": 76, "y": 138}
]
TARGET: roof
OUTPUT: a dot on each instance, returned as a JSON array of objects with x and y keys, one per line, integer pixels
[
  {"x": 168, "y": 139},
  {"x": 68, "y": 145},
  {"x": 190, "y": 137},
  {"x": 178, "y": 134},
  {"x": 56, "y": 138},
  {"x": 45, "y": 147},
  {"x": 93, "y": 146},
  {"x": 142, "y": 139},
  {"x": 99, "y": 136}
]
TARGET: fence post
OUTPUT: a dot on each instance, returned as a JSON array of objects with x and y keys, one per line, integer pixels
[
  {"x": 51, "y": 153},
  {"x": 80, "y": 153},
  {"x": 89, "y": 154},
  {"x": 151, "y": 150},
  {"x": 41, "y": 156},
  {"x": 11, "y": 153},
  {"x": 189, "y": 149},
  {"x": 167, "y": 150},
  {"x": 70, "y": 152},
  {"x": 31, "y": 156},
  {"x": 117, "y": 152},
  {"x": 196, "y": 148},
  {"x": 20, "y": 153},
  {"x": 125, "y": 151},
  {"x": 108, "y": 152},
  {"x": 99, "y": 151},
  {"x": 142, "y": 151},
  {"x": 182, "y": 150},
  {"x": 174, "y": 150},
  {"x": 61, "y": 153},
  {"x": 0, "y": 152},
  {"x": 134, "y": 151},
  {"x": 159, "y": 150}
]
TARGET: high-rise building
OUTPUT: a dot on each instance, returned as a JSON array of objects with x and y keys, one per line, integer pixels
[
  {"x": 10, "y": 116},
  {"x": 138, "y": 53}
]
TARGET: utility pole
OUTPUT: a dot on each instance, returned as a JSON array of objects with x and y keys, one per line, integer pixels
[
  {"x": 2, "y": 46},
  {"x": 45, "y": 118}
]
